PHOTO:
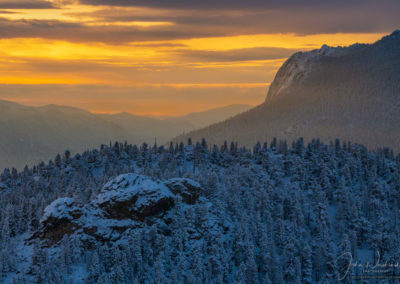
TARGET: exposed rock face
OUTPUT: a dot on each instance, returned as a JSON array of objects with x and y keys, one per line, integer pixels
[
  {"x": 58, "y": 219},
  {"x": 299, "y": 65},
  {"x": 135, "y": 197},
  {"x": 126, "y": 202},
  {"x": 188, "y": 189}
]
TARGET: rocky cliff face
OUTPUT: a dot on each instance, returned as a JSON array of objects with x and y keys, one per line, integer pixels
[
  {"x": 301, "y": 64},
  {"x": 127, "y": 202}
]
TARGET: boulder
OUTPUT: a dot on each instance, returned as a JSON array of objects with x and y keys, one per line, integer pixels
[
  {"x": 188, "y": 189},
  {"x": 58, "y": 220},
  {"x": 133, "y": 196}
]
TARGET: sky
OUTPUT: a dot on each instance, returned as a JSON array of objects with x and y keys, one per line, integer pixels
[{"x": 168, "y": 57}]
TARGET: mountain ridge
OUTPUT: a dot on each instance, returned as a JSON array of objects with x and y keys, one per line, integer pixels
[
  {"x": 352, "y": 95},
  {"x": 34, "y": 134}
]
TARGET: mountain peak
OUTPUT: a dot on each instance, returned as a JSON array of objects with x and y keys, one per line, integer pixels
[
  {"x": 389, "y": 40},
  {"x": 295, "y": 69},
  {"x": 351, "y": 93},
  {"x": 395, "y": 33}
]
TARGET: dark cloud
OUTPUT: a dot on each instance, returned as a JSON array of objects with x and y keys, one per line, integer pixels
[
  {"x": 366, "y": 18},
  {"x": 271, "y": 16},
  {"x": 26, "y": 5},
  {"x": 231, "y": 4},
  {"x": 343, "y": 17},
  {"x": 51, "y": 29},
  {"x": 184, "y": 4}
]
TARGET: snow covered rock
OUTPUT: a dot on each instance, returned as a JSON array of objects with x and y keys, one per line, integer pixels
[
  {"x": 3, "y": 186},
  {"x": 125, "y": 203},
  {"x": 300, "y": 64},
  {"x": 188, "y": 189},
  {"x": 58, "y": 219},
  {"x": 133, "y": 196}
]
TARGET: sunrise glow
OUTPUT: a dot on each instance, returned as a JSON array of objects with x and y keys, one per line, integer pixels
[{"x": 139, "y": 47}]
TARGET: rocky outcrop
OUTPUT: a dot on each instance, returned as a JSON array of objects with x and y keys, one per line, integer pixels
[
  {"x": 134, "y": 197},
  {"x": 187, "y": 189},
  {"x": 127, "y": 202},
  {"x": 58, "y": 219},
  {"x": 300, "y": 64}
]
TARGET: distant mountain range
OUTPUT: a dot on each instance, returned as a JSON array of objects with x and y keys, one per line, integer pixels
[
  {"x": 351, "y": 93},
  {"x": 33, "y": 134}
]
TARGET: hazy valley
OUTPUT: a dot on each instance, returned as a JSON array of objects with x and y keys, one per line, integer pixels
[{"x": 30, "y": 135}]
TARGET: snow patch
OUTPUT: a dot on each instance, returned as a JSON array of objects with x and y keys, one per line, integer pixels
[
  {"x": 60, "y": 208},
  {"x": 301, "y": 63},
  {"x": 127, "y": 186}
]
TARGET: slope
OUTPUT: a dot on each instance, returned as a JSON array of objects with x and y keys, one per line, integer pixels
[
  {"x": 33, "y": 134},
  {"x": 352, "y": 93}
]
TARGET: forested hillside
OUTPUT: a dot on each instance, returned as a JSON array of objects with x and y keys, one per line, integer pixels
[
  {"x": 351, "y": 93},
  {"x": 276, "y": 213}
]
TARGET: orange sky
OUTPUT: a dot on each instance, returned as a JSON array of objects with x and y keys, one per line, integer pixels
[{"x": 156, "y": 60}]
